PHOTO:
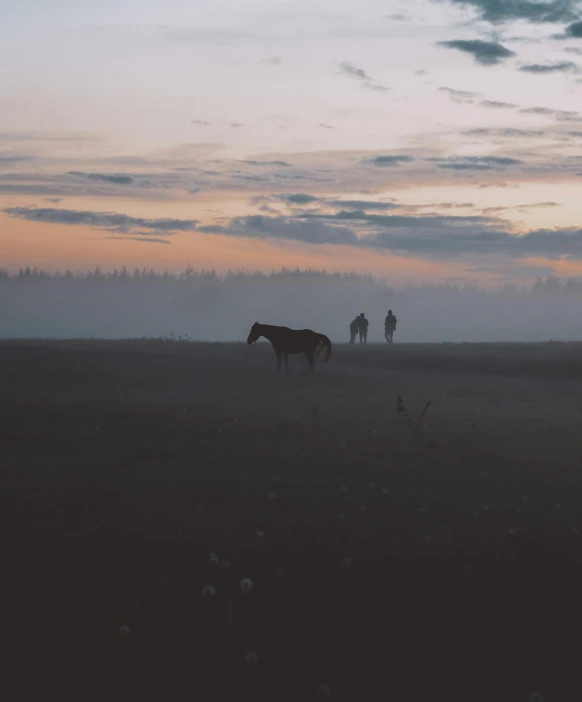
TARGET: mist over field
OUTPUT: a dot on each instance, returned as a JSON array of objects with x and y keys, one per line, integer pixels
[{"x": 204, "y": 306}]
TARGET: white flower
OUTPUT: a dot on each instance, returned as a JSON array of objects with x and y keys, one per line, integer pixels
[
  {"x": 344, "y": 488},
  {"x": 423, "y": 509},
  {"x": 512, "y": 532},
  {"x": 485, "y": 508},
  {"x": 246, "y": 585},
  {"x": 346, "y": 562},
  {"x": 252, "y": 657},
  {"x": 324, "y": 689},
  {"x": 558, "y": 506},
  {"x": 225, "y": 565},
  {"x": 260, "y": 532},
  {"x": 272, "y": 497},
  {"x": 213, "y": 559},
  {"x": 124, "y": 631},
  {"x": 208, "y": 591},
  {"x": 384, "y": 491}
]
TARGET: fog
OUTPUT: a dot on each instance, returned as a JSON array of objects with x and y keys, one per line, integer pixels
[{"x": 205, "y": 306}]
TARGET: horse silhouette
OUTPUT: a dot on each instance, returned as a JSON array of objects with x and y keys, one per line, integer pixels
[{"x": 286, "y": 341}]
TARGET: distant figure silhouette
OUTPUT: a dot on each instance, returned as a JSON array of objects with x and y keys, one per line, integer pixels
[
  {"x": 363, "y": 328},
  {"x": 354, "y": 325},
  {"x": 389, "y": 326},
  {"x": 286, "y": 341}
]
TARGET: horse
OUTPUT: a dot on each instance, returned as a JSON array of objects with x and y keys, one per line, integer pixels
[{"x": 286, "y": 341}]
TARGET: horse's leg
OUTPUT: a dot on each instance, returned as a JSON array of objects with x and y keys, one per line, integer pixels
[
  {"x": 278, "y": 359},
  {"x": 310, "y": 356},
  {"x": 286, "y": 357}
]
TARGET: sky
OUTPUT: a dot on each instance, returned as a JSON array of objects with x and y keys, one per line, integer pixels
[{"x": 419, "y": 141}]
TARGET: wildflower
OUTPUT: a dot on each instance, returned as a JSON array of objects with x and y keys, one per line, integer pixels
[
  {"x": 485, "y": 508},
  {"x": 225, "y": 565},
  {"x": 208, "y": 591},
  {"x": 512, "y": 532},
  {"x": 363, "y": 508},
  {"x": 384, "y": 491},
  {"x": 213, "y": 559},
  {"x": 135, "y": 604},
  {"x": 252, "y": 657},
  {"x": 280, "y": 572},
  {"x": 423, "y": 509},
  {"x": 558, "y": 506},
  {"x": 272, "y": 497},
  {"x": 346, "y": 562},
  {"x": 428, "y": 539},
  {"x": 324, "y": 689},
  {"x": 344, "y": 488},
  {"x": 370, "y": 485},
  {"x": 246, "y": 585},
  {"x": 260, "y": 532},
  {"x": 124, "y": 631},
  {"x": 535, "y": 697}
]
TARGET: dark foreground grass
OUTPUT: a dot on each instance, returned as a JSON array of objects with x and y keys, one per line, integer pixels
[{"x": 384, "y": 565}]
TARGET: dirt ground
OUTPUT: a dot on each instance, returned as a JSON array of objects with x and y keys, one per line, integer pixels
[{"x": 392, "y": 557}]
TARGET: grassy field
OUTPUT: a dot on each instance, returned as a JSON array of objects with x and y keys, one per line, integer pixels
[{"x": 390, "y": 558}]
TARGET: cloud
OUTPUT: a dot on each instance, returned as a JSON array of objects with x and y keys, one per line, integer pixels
[
  {"x": 560, "y": 115},
  {"x": 503, "y": 132},
  {"x": 395, "y": 160},
  {"x": 460, "y": 96},
  {"x": 326, "y": 126},
  {"x": 353, "y": 71},
  {"x": 475, "y": 163},
  {"x": 349, "y": 69},
  {"x": 100, "y": 220},
  {"x": 144, "y": 239},
  {"x": 309, "y": 232},
  {"x": 499, "y": 11},
  {"x": 486, "y": 53},
  {"x": 432, "y": 236},
  {"x": 541, "y": 68},
  {"x": 574, "y": 30},
  {"x": 496, "y": 104},
  {"x": 521, "y": 208},
  {"x": 363, "y": 204},
  {"x": 114, "y": 178},
  {"x": 283, "y": 164},
  {"x": 7, "y": 159},
  {"x": 299, "y": 198}
]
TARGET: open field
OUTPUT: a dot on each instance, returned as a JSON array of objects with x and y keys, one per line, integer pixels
[{"x": 390, "y": 559}]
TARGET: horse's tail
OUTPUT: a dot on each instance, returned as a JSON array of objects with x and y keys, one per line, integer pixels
[{"x": 324, "y": 343}]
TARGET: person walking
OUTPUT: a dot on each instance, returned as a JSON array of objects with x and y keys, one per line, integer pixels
[
  {"x": 389, "y": 326},
  {"x": 363, "y": 328}
]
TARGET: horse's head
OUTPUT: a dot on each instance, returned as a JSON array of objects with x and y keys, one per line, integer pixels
[{"x": 254, "y": 334}]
